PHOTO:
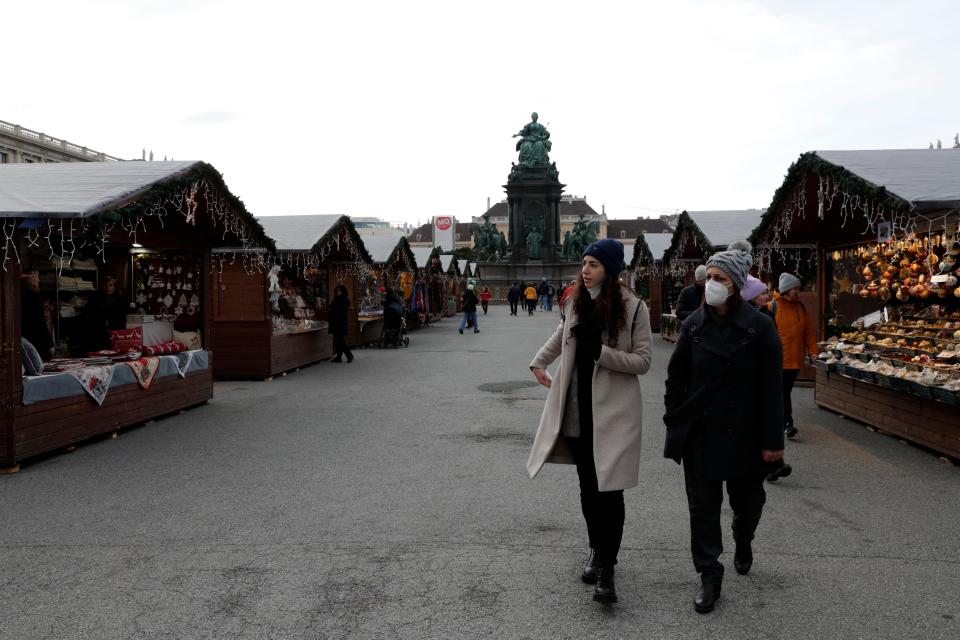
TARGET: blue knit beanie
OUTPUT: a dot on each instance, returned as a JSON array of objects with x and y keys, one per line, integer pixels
[{"x": 610, "y": 254}]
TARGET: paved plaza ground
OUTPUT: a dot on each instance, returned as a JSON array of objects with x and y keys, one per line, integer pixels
[{"x": 388, "y": 498}]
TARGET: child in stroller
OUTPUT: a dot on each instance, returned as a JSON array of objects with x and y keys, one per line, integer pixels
[{"x": 394, "y": 322}]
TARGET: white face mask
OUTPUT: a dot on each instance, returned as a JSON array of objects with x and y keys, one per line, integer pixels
[{"x": 715, "y": 293}]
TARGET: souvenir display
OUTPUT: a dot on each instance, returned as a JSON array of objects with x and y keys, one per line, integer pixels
[
  {"x": 298, "y": 300},
  {"x": 169, "y": 285}
]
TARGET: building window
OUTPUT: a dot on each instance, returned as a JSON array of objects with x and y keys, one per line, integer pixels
[
  {"x": 3, "y": 158},
  {"x": 623, "y": 233},
  {"x": 419, "y": 237}
]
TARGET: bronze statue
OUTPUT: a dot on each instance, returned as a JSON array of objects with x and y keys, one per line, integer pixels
[{"x": 534, "y": 144}]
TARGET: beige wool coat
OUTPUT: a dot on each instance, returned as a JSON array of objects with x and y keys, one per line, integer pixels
[{"x": 617, "y": 403}]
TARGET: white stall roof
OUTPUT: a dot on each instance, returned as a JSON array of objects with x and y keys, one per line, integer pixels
[
  {"x": 724, "y": 227},
  {"x": 422, "y": 254},
  {"x": 928, "y": 178},
  {"x": 297, "y": 233},
  {"x": 381, "y": 245},
  {"x": 445, "y": 261},
  {"x": 658, "y": 243},
  {"x": 78, "y": 189}
]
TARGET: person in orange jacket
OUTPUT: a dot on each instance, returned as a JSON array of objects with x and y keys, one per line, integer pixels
[{"x": 795, "y": 327}]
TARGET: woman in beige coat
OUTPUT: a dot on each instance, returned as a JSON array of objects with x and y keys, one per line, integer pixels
[{"x": 594, "y": 412}]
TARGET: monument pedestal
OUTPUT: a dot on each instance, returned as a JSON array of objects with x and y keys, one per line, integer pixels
[{"x": 500, "y": 274}]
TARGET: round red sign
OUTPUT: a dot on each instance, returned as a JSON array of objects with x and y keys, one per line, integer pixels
[{"x": 444, "y": 222}]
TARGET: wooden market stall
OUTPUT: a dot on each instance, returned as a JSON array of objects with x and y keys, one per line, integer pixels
[
  {"x": 394, "y": 267},
  {"x": 277, "y": 320},
  {"x": 427, "y": 300},
  {"x": 453, "y": 284},
  {"x": 646, "y": 268},
  {"x": 118, "y": 255},
  {"x": 874, "y": 235}
]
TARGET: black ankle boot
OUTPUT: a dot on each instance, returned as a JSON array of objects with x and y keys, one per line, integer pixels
[
  {"x": 605, "y": 591},
  {"x": 590, "y": 568},
  {"x": 706, "y": 598},
  {"x": 743, "y": 558}
]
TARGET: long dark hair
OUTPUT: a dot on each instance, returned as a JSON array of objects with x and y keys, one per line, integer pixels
[{"x": 608, "y": 310}]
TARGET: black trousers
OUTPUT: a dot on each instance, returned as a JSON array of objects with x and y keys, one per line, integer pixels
[
  {"x": 789, "y": 377},
  {"x": 340, "y": 345},
  {"x": 513, "y": 307},
  {"x": 704, "y": 498},
  {"x": 531, "y": 306},
  {"x": 602, "y": 510},
  {"x": 484, "y": 304}
]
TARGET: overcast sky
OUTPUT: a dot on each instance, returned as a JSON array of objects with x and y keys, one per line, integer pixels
[{"x": 405, "y": 110}]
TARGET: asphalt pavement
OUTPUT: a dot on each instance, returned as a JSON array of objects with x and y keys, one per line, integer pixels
[{"x": 388, "y": 498}]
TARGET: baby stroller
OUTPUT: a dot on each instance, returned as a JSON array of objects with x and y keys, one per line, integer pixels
[{"x": 394, "y": 326}]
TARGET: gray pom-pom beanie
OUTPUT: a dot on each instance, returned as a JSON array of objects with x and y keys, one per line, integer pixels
[
  {"x": 735, "y": 262},
  {"x": 788, "y": 281}
]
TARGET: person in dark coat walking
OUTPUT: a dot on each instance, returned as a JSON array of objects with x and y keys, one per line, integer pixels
[
  {"x": 469, "y": 310},
  {"x": 724, "y": 416},
  {"x": 513, "y": 297},
  {"x": 691, "y": 297},
  {"x": 340, "y": 323}
]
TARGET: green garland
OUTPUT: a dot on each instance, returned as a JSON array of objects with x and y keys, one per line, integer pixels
[
  {"x": 848, "y": 182},
  {"x": 640, "y": 250},
  {"x": 159, "y": 193},
  {"x": 351, "y": 231},
  {"x": 686, "y": 223}
]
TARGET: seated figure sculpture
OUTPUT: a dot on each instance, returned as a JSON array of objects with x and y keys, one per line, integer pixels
[{"x": 534, "y": 144}]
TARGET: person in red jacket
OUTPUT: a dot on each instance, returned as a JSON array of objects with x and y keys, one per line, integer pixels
[{"x": 485, "y": 299}]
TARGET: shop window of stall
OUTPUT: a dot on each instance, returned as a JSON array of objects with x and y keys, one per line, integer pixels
[{"x": 298, "y": 299}]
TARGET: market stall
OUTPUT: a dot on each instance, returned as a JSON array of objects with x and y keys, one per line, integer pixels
[
  {"x": 450, "y": 276},
  {"x": 112, "y": 323},
  {"x": 278, "y": 320},
  {"x": 394, "y": 268},
  {"x": 646, "y": 267},
  {"x": 875, "y": 233}
]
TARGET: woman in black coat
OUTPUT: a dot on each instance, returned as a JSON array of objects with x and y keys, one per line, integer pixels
[
  {"x": 724, "y": 416},
  {"x": 340, "y": 323}
]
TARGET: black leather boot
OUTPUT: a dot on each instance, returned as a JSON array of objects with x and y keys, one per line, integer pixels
[
  {"x": 590, "y": 568},
  {"x": 605, "y": 591},
  {"x": 706, "y": 598},
  {"x": 743, "y": 558}
]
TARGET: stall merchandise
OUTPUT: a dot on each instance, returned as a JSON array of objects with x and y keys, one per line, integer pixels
[
  {"x": 125, "y": 253},
  {"x": 876, "y": 234}
]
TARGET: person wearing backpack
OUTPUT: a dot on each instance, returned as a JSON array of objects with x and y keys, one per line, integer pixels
[
  {"x": 797, "y": 337},
  {"x": 551, "y": 291}
]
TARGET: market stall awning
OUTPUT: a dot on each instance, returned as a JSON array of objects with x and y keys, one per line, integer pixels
[
  {"x": 78, "y": 189},
  {"x": 445, "y": 262},
  {"x": 462, "y": 265},
  {"x": 723, "y": 227},
  {"x": 926, "y": 178},
  {"x": 658, "y": 243}
]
